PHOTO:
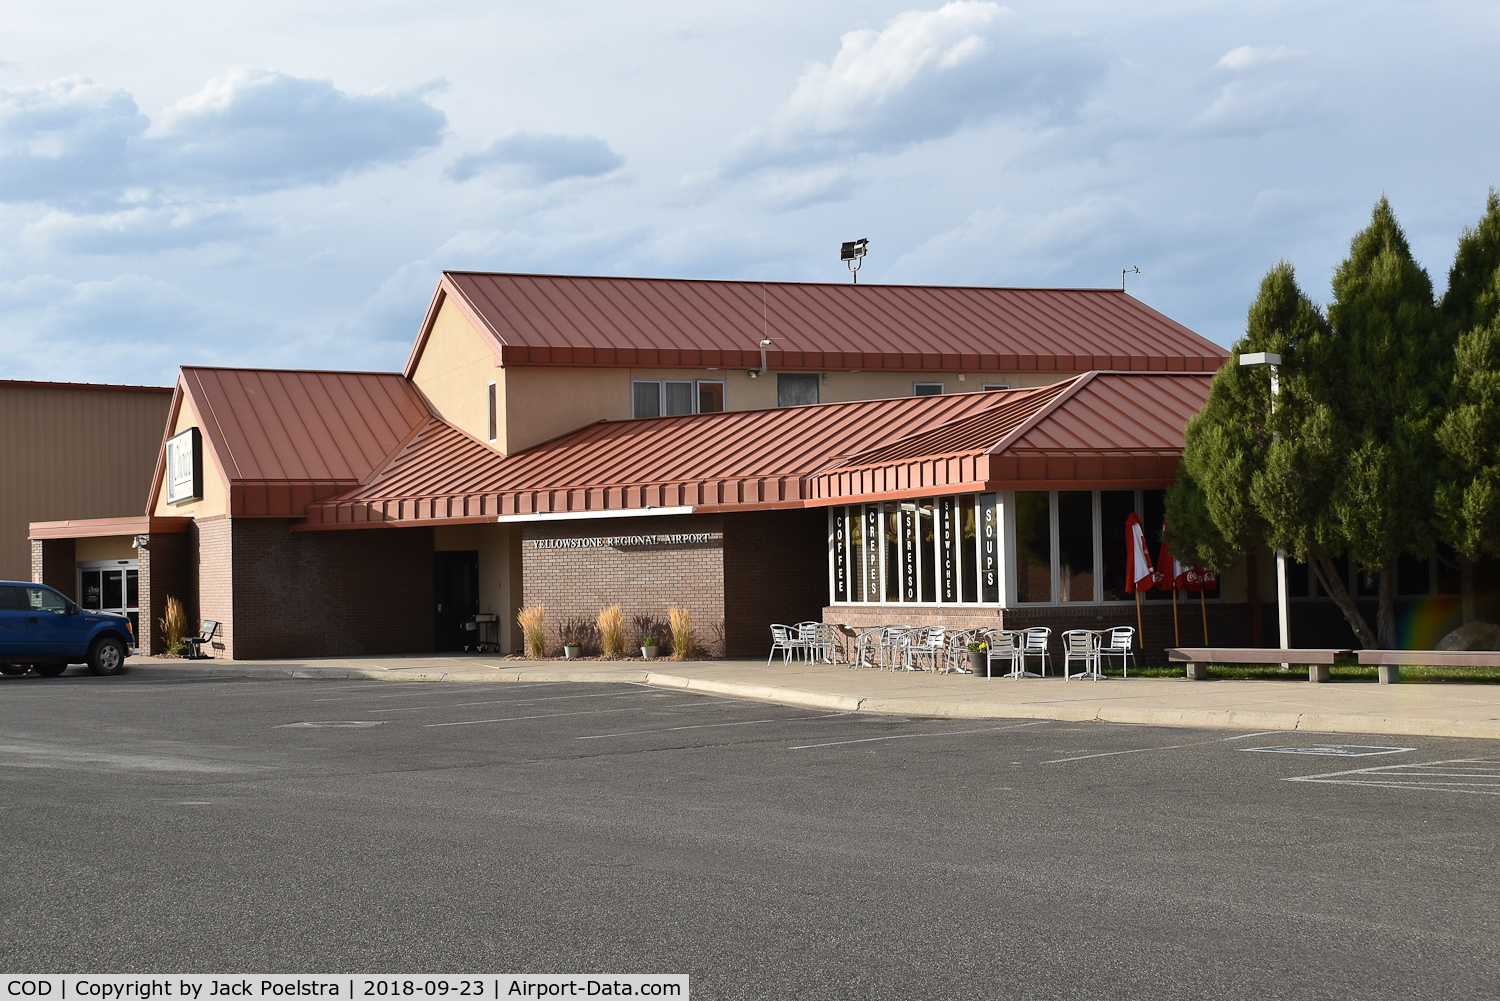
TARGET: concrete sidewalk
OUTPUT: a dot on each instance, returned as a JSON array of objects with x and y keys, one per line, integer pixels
[{"x": 1439, "y": 710}]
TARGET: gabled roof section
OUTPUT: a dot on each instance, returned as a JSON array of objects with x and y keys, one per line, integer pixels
[
  {"x": 286, "y": 438},
  {"x": 681, "y": 323},
  {"x": 1099, "y": 430}
]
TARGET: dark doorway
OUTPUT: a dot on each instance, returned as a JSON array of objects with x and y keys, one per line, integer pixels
[{"x": 456, "y": 590}]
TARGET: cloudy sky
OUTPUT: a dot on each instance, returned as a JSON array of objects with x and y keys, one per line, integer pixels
[{"x": 280, "y": 183}]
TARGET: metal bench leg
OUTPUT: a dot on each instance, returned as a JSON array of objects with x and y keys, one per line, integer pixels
[{"x": 1317, "y": 673}]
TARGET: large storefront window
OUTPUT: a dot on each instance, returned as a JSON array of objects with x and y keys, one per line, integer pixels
[
  {"x": 942, "y": 550},
  {"x": 1069, "y": 548}
]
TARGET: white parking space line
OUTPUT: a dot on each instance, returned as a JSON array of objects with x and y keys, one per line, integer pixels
[
  {"x": 707, "y": 726},
  {"x": 908, "y": 736},
  {"x": 522, "y": 702},
  {"x": 513, "y": 719},
  {"x": 406, "y": 693},
  {"x": 1478, "y": 776},
  {"x": 1164, "y": 747}
]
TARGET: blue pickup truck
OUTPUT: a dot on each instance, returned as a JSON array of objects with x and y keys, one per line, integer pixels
[{"x": 42, "y": 631}]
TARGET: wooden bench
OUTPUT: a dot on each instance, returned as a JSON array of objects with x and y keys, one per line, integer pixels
[
  {"x": 1198, "y": 659},
  {"x": 1389, "y": 662}
]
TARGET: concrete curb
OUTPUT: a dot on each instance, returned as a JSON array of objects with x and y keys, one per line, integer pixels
[{"x": 1228, "y": 719}]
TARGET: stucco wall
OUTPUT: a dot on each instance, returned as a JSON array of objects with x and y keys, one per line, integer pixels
[{"x": 215, "y": 500}]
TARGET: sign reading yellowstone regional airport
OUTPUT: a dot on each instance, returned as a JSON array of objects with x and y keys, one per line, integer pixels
[{"x": 618, "y": 541}]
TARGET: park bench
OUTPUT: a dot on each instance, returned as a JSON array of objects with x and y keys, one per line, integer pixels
[
  {"x": 1389, "y": 661},
  {"x": 1198, "y": 659}
]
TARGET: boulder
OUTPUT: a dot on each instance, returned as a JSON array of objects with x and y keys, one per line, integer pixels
[{"x": 1472, "y": 636}]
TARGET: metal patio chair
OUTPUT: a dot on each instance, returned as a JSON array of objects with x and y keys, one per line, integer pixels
[
  {"x": 1004, "y": 648},
  {"x": 866, "y": 651},
  {"x": 894, "y": 647},
  {"x": 1120, "y": 642},
  {"x": 1034, "y": 643},
  {"x": 785, "y": 639},
  {"x": 1081, "y": 645},
  {"x": 928, "y": 644}
]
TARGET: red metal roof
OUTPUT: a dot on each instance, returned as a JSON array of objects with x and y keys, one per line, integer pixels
[
  {"x": 286, "y": 438},
  {"x": 1101, "y": 429},
  {"x": 679, "y": 323},
  {"x": 1098, "y": 429}
]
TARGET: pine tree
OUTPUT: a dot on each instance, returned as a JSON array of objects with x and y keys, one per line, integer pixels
[
  {"x": 1384, "y": 377},
  {"x": 1468, "y": 500},
  {"x": 1251, "y": 478}
]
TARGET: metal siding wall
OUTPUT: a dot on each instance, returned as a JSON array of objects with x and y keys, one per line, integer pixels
[{"x": 72, "y": 453}]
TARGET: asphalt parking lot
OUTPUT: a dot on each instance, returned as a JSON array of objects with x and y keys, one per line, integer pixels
[{"x": 309, "y": 826}]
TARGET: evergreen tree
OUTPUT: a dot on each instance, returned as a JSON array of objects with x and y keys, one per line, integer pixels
[
  {"x": 1251, "y": 478},
  {"x": 1468, "y": 500},
  {"x": 1385, "y": 376}
]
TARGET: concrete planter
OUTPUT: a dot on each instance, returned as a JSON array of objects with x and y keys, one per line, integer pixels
[
  {"x": 572, "y": 652},
  {"x": 979, "y": 663},
  {"x": 649, "y": 652}
]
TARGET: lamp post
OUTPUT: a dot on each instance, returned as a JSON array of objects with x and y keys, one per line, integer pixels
[{"x": 1283, "y": 604}]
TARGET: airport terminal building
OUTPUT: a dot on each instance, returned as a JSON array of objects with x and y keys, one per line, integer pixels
[{"x": 754, "y": 452}]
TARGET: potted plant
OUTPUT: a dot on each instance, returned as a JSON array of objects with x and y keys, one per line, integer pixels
[
  {"x": 979, "y": 659},
  {"x": 572, "y": 650},
  {"x": 649, "y": 646}
]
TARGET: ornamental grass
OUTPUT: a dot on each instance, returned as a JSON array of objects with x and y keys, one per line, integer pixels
[
  {"x": 533, "y": 622},
  {"x": 682, "y": 633},
  {"x": 174, "y": 625},
  {"x": 612, "y": 631}
]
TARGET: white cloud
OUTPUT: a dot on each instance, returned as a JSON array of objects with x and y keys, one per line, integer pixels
[
  {"x": 926, "y": 75},
  {"x": 538, "y": 158},
  {"x": 254, "y": 130},
  {"x": 73, "y": 143},
  {"x": 143, "y": 230},
  {"x": 1250, "y": 56},
  {"x": 65, "y": 142}
]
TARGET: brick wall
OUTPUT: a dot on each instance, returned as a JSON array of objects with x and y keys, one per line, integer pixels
[
  {"x": 776, "y": 571},
  {"x": 211, "y": 541},
  {"x": 53, "y": 562},
  {"x": 169, "y": 569},
  {"x": 644, "y": 579},
  {"x": 328, "y": 594}
]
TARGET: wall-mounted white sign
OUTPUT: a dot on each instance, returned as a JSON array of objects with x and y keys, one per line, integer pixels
[
  {"x": 617, "y": 541},
  {"x": 185, "y": 467}
]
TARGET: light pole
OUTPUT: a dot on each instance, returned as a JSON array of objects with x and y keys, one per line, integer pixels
[{"x": 1283, "y": 604}]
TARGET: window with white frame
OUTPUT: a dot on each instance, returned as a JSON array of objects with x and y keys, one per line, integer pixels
[
  {"x": 995, "y": 385},
  {"x": 935, "y": 550},
  {"x": 672, "y": 397},
  {"x": 1065, "y": 547},
  {"x": 927, "y": 389}
]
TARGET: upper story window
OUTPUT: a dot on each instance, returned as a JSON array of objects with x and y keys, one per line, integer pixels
[
  {"x": 927, "y": 389},
  {"x": 796, "y": 390},
  {"x": 996, "y": 385},
  {"x": 671, "y": 397},
  {"x": 494, "y": 414}
]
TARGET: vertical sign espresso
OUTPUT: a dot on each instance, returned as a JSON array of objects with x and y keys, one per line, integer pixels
[
  {"x": 948, "y": 546},
  {"x": 908, "y": 552},
  {"x": 840, "y": 554},
  {"x": 989, "y": 553}
]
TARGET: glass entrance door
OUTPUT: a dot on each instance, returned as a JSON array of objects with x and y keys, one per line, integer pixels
[{"x": 111, "y": 586}]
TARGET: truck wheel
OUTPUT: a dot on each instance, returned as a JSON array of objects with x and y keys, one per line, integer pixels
[
  {"x": 49, "y": 670},
  {"x": 13, "y": 670},
  {"x": 107, "y": 656}
]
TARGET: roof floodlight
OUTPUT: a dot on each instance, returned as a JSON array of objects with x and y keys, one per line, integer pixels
[{"x": 853, "y": 253}]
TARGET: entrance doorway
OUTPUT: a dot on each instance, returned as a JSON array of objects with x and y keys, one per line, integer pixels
[
  {"x": 456, "y": 586},
  {"x": 111, "y": 586}
]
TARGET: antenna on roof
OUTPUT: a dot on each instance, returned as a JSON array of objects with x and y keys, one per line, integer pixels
[
  {"x": 1127, "y": 271},
  {"x": 853, "y": 254}
]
